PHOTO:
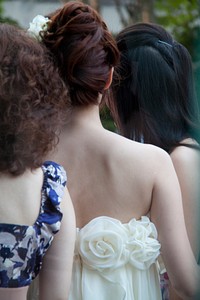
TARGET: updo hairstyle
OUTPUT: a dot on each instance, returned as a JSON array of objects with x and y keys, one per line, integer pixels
[
  {"x": 84, "y": 50},
  {"x": 32, "y": 98}
]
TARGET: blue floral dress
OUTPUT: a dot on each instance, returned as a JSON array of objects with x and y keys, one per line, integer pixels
[
  {"x": 22, "y": 247},
  {"x": 164, "y": 284}
]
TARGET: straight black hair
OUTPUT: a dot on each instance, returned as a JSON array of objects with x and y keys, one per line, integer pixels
[{"x": 153, "y": 96}]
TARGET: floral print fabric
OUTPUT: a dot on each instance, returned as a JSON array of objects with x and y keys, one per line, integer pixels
[
  {"x": 23, "y": 247},
  {"x": 164, "y": 284}
]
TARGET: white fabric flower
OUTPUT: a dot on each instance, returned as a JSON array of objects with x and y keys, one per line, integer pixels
[
  {"x": 106, "y": 244},
  {"x": 143, "y": 244},
  {"x": 101, "y": 244},
  {"x": 39, "y": 23}
]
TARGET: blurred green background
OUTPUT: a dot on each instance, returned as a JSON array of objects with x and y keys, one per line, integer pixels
[{"x": 180, "y": 17}]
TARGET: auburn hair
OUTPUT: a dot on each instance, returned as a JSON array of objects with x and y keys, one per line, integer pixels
[{"x": 84, "y": 50}]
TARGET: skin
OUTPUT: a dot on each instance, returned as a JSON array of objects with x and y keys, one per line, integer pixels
[
  {"x": 105, "y": 168},
  {"x": 57, "y": 264},
  {"x": 20, "y": 204},
  {"x": 186, "y": 162}
]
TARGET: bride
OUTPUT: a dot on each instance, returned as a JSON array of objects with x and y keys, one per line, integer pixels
[{"x": 126, "y": 195}]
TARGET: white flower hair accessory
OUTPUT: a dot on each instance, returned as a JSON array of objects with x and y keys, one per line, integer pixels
[{"x": 39, "y": 23}]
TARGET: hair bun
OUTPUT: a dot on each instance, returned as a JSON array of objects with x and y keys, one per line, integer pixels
[{"x": 83, "y": 48}]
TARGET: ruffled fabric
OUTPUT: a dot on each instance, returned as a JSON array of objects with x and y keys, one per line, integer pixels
[
  {"x": 22, "y": 248},
  {"x": 115, "y": 261},
  {"x": 53, "y": 188}
]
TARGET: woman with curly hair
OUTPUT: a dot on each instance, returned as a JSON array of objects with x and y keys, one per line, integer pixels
[
  {"x": 126, "y": 194},
  {"x": 33, "y": 198}
]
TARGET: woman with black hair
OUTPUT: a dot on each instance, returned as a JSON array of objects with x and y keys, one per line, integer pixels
[{"x": 154, "y": 102}]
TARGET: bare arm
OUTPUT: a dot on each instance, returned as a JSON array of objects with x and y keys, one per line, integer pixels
[
  {"x": 55, "y": 276},
  {"x": 167, "y": 214},
  {"x": 186, "y": 163}
]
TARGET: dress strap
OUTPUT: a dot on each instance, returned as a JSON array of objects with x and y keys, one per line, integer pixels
[{"x": 52, "y": 193}]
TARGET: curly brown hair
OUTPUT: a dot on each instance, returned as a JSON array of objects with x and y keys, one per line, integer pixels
[
  {"x": 83, "y": 48},
  {"x": 32, "y": 101}
]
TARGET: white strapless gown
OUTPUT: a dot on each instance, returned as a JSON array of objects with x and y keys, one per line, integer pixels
[{"x": 115, "y": 261}]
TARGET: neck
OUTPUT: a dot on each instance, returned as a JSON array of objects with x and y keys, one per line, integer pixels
[{"x": 85, "y": 116}]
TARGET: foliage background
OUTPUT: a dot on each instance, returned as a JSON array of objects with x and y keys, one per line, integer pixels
[
  {"x": 4, "y": 19},
  {"x": 180, "y": 17}
]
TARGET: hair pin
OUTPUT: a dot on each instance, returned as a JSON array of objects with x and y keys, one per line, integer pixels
[{"x": 165, "y": 43}]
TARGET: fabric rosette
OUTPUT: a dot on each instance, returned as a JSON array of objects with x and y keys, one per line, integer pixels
[
  {"x": 143, "y": 244},
  {"x": 38, "y": 24},
  {"x": 102, "y": 244}
]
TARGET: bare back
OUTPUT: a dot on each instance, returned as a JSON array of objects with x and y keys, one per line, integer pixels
[
  {"x": 20, "y": 199},
  {"x": 107, "y": 174}
]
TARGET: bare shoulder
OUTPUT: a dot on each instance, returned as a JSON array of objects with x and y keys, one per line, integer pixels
[
  {"x": 138, "y": 153},
  {"x": 184, "y": 157}
]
